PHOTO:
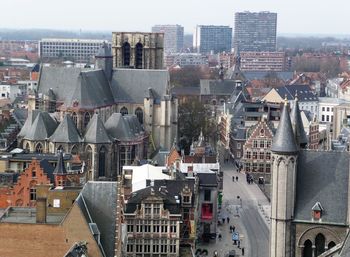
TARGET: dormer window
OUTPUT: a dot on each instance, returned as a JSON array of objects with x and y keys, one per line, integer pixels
[{"x": 317, "y": 211}]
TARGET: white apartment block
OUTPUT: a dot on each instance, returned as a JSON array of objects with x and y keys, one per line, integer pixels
[
  {"x": 75, "y": 49},
  {"x": 185, "y": 59},
  {"x": 326, "y": 109}
]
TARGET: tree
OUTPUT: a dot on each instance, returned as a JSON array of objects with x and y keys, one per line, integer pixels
[{"x": 190, "y": 76}]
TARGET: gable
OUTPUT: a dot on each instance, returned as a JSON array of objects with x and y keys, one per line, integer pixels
[{"x": 273, "y": 97}]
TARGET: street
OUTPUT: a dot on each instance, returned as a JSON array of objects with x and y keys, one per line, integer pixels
[{"x": 245, "y": 213}]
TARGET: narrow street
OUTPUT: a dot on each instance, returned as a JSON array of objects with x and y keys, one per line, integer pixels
[{"x": 245, "y": 213}]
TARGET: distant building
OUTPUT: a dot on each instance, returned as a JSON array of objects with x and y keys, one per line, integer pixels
[
  {"x": 173, "y": 37},
  {"x": 255, "y": 31},
  {"x": 209, "y": 38},
  {"x": 75, "y": 49},
  {"x": 138, "y": 50},
  {"x": 185, "y": 59},
  {"x": 264, "y": 61}
]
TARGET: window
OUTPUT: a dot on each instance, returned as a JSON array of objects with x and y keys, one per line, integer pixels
[
  {"x": 147, "y": 227},
  {"x": 186, "y": 199},
  {"x": 261, "y": 155},
  {"x": 102, "y": 162},
  {"x": 147, "y": 246},
  {"x": 323, "y": 109},
  {"x": 32, "y": 194},
  {"x": 124, "y": 111},
  {"x": 156, "y": 227},
  {"x": 156, "y": 209},
  {"x": 130, "y": 228},
  {"x": 261, "y": 167},
  {"x": 248, "y": 155},
  {"x": 255, "y": 167},
  {"x": 207, "y": 195},
  {"x": 86, "y": 119},
  {"x": 268, "y": 155},
  {"x": 172, "y": 246},
  {"x": 164, "y": 227},
  {"x": 130, "y": 246},
  {"x": 327, "y": 117},
  {"x": 139, "y": 228},
  {"x": 139, "y": 114},
  {"x": 126, "y": 54},
  {"x": 138, "y": 244},
  {"x": 262, "y": 144},
  {"x": 74, "y": 150},
  {"x": 247, "y": 167},
  {"x": 138, "y": 56},
  {"x": 268, "y": 167},
  {"x": 238, "y": 154},
  {"x": 255, "y": 155},
  {"x": 268, "y": 143},
  {"x": 322, "y": 118},
  {"x": 331, "y": 118},
  {"x": 238, "y": 145},
  {"x": 186, "y": 214},
  {"x": 172, "y": 226},
  {"x": 255, "y": 143},
  {"x": 39, "y": 148},
  {"x": 75, "y": 118},
  {"x": 155, "y": 246},
  {"x": 163, "y": 246},
  {"x": 148, "y": 209},
  {"x": 327, "y": 109},
  {"x": 33, "y": 173}
]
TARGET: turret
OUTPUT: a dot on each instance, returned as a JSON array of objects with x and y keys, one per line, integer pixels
[
  {"x": 104, "y": 60},
  {"x": 284, "y": 159},
  {"x": 60, "y": 171},
  {"x": 297, "y": 124}
]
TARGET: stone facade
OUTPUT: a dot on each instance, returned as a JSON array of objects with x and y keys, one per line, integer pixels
[{"x": 138, "y": 50}]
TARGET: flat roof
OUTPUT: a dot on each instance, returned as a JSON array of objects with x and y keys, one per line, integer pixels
[{"x": 28, "y": 215}]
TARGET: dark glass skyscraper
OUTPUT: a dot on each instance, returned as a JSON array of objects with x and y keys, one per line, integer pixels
[
  {"x": 209, "y": 38},
  {"x": 255, "y": 31}
]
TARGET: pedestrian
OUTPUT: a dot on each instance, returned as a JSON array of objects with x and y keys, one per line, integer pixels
[
  {"x": 237, "y": 178},
  {"x": 230, "y": 229},
  {"x": 228, "y": 220},
  {"x": 233, "y": 229},
  {"x": 223, "y": 220},
  {"x": 219, "y": 236},
  {"x": 239, "y": 244},
  {"x": 242, "y": 251}
]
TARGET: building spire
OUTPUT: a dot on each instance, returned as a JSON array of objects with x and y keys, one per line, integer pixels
[
  {"x": 284, "y": 140},
  {"x": 297, "y": 124}
]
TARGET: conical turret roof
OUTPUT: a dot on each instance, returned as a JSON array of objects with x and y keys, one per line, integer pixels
[
  {"x": 284, "y": 140},
  {"x": 297, "y": 125},
  {"x": 60, "y": 168},
  {"x": 96, "y": 132},
  {"x": 66, "y": 132}
]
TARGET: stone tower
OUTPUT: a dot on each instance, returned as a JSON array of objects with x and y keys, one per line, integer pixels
[
  {"x": 284, "y": 159},
  {"x": 104, "y": 60}
]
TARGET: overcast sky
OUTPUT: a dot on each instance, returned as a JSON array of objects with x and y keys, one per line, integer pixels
[{"x": 294, "y": 16}]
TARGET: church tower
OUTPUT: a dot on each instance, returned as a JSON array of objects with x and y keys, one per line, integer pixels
[
  {"x": 284, "y": 159},
  {"x": 104, "y": 60}
]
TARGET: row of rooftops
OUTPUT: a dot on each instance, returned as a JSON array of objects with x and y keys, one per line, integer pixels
[{"x": 41, "y": 126}]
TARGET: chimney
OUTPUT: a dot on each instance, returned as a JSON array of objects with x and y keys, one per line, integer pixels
[{"x": 41, "y": 210}]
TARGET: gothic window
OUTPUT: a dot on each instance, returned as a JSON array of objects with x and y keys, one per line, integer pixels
[
  {"x": 138, "y": 56},
  {"x": 126, "y": 54},
  {"x": 139, "y": 114},
  {"x": 320, "y": 244},
  {"x": 27, "y": 147},
  {"x": 124, "y": 111},
  {"x": 331, "y": 245},
  {"x": 60, "y": 148},
  {"x": 74, "y": 150},
  {"x": 86, "y": 119},
  {"x": 75, "y": 118},
  {"x": 89, "y": 156},
  {"x": 39, "y": 148},
  {"x": 307, "y": 249},
  {"x": 102, "y": 162}
]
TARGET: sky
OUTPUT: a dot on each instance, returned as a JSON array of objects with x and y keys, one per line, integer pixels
[{"x": 294, "y": 16}]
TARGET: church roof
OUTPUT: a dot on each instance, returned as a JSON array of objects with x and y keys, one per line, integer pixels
[
  {"x": 132, "y": 85},
  {"x": 297, "y": 124},
  {"x": 217, "y": 87},
  {"x": 66, "y": 132},
  {"x": 42, "y": 127},
  {"x": 123, "y": 128},
  {"x": 60, "y": 167},
  {"x": 28, "y": 123},
  {"x": 96, "y": 132},
  {"x": 284, "y": 140},
  {"x": 322, "y": 177}
]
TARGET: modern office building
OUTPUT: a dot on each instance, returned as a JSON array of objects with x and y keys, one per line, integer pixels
[
  {"x": 209, "y": 38},
  {"x": 264, "y": 61},
  {"x": 74, "y": 49},
  {"x": 173, "y": 37},
  {"x": 255, "y": 31}
]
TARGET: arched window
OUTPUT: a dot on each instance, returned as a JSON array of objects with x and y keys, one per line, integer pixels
[
  {"x": 39, "y": 148},
  {"x": 86, "y": 119},
  {"x": 139, "y": 114},
  {"x": 331, "y": 244},
  {"x": 27, "y": 147},
  {"x": 138, "y": 56},
  {"x": 320, "y": 244},
  {"x": 307, "y": 249},
  {"x": 75, "y": 118},
  {"x": 126, "y": 54},
  {"x": 124, "y": 111},
  {"x": 102, "y": 162},
  {"x": 89, "y": 156},
  {"x": 74, "y": 150}
]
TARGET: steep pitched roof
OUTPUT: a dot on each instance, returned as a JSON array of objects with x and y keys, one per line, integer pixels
[
  {"x": 66, "y": 132},
  {"x": 123, "y": 128},
  {"x": 42, "y": 127},
  {"x": 28, "y": 123},
  {"x": 132, "y": 85},
  {"x": 60, "y": 167},
  {"x": 96, "y": 132},
  {"x": 284, "y": 140},
  {"x": 297, "y": 124},
  {"x": 322, "y": 177}
]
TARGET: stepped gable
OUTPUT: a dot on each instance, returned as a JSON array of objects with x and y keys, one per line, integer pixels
[
  {"x": 96, "y": 132},
  {"x": 66, "y": 132}
]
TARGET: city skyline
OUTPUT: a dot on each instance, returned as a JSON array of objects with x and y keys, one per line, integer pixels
[{"x": 37, "y": 14}]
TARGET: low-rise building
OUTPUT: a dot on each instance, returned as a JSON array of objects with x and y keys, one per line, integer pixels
[{"x": 264, "y": 61}]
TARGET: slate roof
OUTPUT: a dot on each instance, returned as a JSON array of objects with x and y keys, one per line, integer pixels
[
  {"x": 123, "y": 128},
  {"x": 96, "y": 132},
  {"x": 20, "y": 115},
  {"x": 138, "y": 196},
  {"x": 217, "y": 87},
  {"x": 207, "y": 179},
  {"x": 284, "y": 140},
  {"x": 97, "y": 201},
  {"x": 284, "y": 75},
  {"x": 42, "y": 128},
  {"x": 60, "y": 167},
  {"x": 193, "y": 91},
  {"x": 132, "y": 85},
  {"x": 297, "y": 124},
  {"x": 28, "y": 123},
  {"x": 66, "y": 132},
  {"x": 304, "y": 93},
  {"x": 322, "y": 177}
]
